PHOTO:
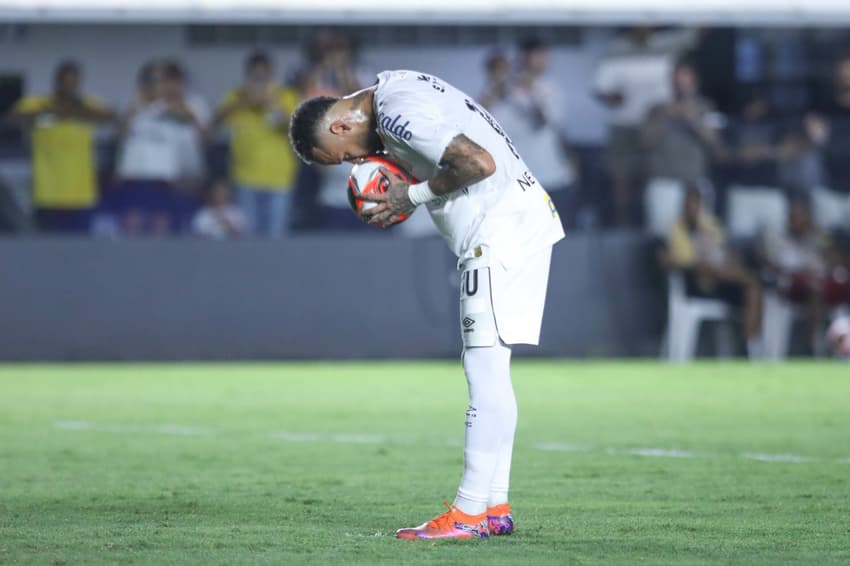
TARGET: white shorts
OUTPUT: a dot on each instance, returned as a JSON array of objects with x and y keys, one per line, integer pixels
[{"x": 503, "y": 303}]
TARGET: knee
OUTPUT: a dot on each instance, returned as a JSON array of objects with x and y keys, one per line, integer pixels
[{"x": 488, "y": 375}]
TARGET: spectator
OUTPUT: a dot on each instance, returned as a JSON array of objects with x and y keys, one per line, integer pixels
[
  {"x": 219, "y": 218},
  {"x": 263, "y": 166},
  {"x": 753, "y": 139},
  {"x": 332, "y": 67},
  {"x": 767, "y": 152},
  {"x": 497, "y": 68},
  {"x": 797, "y": 260},
  {"x": 63, "y": 163},
  {"x": 631, "y": 79},
  {"x": 832, "y": 128},
  {"x": 697, "y": 247},
  {"x": 332, "y": 70},
  {"x": 530, "y": 112},
  {"x": 160, "y": 164},
  {"x": 682, "y": 136}
]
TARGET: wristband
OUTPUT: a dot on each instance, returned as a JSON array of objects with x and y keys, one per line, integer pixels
[{"x": 420, "y": 193}]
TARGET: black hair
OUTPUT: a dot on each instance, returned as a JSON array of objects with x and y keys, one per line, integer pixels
[
  {"x": 493, "y": 58},
  {"x": 302, "y": 126},
  {"x": 173, "y": 70},
  {"x": 258, "y": 58},
  {"x": 693, "y": 190},
  {"x": 146, "y": 75},
  {"x": 65, "y": 67},
  {"x": 686, "y": 61},
  {"x": 530, "y": 44}
]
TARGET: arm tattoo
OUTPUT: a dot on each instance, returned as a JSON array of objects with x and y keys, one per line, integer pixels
[{"x": 463, "y": 163}]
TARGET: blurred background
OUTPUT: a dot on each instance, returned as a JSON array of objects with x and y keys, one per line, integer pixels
[{"x": 151, "y": 208}]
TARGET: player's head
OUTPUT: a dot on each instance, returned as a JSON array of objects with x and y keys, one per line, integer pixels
[
  {"x": 692, "y": 205},
  {"x": 329, "y": 130},
  {"x": 258, "y": 68},
  {"x": 498, "y": 65},
  {"x": 685, "y": 79},
  {"x": 66, "y": 78},
  {"x": 219, "y": 193},
  {"x": 147, "y": 79},
  {"x": 799, "y": 214},
  {"x": 534, "y": 56},
  {"x": 172, "y": 80}
]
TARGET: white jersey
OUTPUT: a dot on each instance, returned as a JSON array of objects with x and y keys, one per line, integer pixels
[{"x": 418, "y": 115}]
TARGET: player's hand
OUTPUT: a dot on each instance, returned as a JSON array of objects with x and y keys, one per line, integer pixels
[{"x": 391, "y": 204}]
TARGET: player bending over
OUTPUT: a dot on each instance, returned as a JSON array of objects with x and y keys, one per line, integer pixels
[{"x": 496, "y": 218}]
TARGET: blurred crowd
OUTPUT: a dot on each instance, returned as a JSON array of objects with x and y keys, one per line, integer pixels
[
  {"x": 166, "y": 177},
  {"x": 794, "y": 267}
]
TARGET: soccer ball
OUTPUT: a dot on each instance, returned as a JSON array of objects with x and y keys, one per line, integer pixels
[
  {"x": 367, "y": 178},
  {"x": 838, "y": 336}
]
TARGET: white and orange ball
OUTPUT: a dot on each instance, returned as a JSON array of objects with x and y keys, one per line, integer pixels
[{"x": 368, "y": 178}]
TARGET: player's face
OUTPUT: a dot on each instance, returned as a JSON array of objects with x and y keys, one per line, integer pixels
[
  {"x": 685, "y": 81},
  {"x": 692, "y": 208},
  {"x": 68, "y": 83},
  {"x": 345, "y": 140}
]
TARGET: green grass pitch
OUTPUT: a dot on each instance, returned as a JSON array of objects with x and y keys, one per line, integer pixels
[{"x": 317, "y": 463}]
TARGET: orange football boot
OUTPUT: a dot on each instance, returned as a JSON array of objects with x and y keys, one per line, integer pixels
[
  {"x": 500, "y": 519},
  {"x": 454, "y": 523}
]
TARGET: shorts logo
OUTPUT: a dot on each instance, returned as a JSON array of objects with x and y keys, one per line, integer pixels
[
  {"x": 467, "y": 324},
  {"x": 392, "y": 126}
]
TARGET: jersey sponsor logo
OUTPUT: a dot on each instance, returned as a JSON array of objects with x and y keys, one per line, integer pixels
[{"x": 392, "y": 126}]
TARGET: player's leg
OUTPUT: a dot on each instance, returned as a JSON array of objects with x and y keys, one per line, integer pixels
[
  {"x": 519, "y": 296},
  {"x": 490, "y": 419},
  {"x": 486, "y": 362},
  {"x": 500, "y": 519},
  {"x": 489, "y": 436}
]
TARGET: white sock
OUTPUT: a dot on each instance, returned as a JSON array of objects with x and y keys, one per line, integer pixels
[
  {"x": 491, "y": 399},
  {"x": 502, "y": 477}
]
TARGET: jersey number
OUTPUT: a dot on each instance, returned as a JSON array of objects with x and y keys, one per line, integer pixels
[{"x": 493, "y": 124}]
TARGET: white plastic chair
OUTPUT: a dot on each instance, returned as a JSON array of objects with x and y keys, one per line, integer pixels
[
  {"x": 778, "y": 317},
  {"x": 829, "y": 208},
  {"x": 663, "y": 200},
  {"x": 685, "y": 315},
  {"x": 777, "y": 322},
  {"x": 753, "y": 209}
]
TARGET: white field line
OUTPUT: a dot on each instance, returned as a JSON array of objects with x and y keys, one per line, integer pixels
[
  {"x": 660, "y": 453},
  {"x": 563, "y": 447},
  {"x": 127, "y": 429},
  {"x": 357, "y": 438},
  {"x": 761, "y": 457}
]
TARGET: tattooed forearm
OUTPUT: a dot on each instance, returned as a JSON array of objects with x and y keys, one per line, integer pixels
[{"x": 463, "y": 163}]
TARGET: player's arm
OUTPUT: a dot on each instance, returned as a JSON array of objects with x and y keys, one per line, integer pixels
[
  {"x": 26, "y": 112},
  {"x": 463, "y": 163}
]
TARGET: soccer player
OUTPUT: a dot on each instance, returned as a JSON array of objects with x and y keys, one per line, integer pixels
[{"x": 496, "y": 218}]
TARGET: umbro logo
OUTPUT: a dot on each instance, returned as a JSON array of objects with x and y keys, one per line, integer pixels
[{"x": 468, "y": 324}]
